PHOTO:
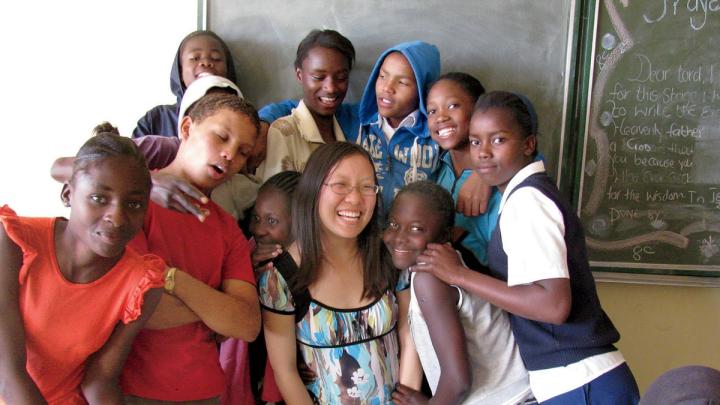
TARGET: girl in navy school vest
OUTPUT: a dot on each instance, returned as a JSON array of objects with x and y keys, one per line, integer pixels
[{"x": 538, "y": 264}]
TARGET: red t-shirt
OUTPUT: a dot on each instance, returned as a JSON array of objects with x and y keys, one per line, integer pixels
[
  {"x": 66, "y": 322},
  {"x": 181, "y": 363}
]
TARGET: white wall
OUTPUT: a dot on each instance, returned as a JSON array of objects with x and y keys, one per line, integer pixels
[{"x": 69, "y": 65}]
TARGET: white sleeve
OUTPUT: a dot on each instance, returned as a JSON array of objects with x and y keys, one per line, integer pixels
[
  {"x": 236, "y": 195},
  {"x": 533, "y": 232}
]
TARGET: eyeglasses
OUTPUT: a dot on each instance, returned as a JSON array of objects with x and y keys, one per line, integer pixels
[{"x": 345, "y": 189}]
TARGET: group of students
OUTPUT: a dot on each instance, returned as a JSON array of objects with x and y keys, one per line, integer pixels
[{"x": 373, "y": 265}]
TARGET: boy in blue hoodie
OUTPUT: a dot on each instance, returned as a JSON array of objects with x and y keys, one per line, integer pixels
[
  {"x": 391, "y": 121},
  {"x": 393, "y": 118},
  {"x": 200, "y": 53}
]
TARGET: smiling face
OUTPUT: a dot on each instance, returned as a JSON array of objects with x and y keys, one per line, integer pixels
[
  {"x": 498, "y": 147},
  {"x": 202, "y": 55},
  {"x": 396, "y": 89},
  {"x": 324, "y": 77},
  {"x": 109, "y": 199},
  {"x": 449, "y": 108},
  {"x": 215, "y": 148},
  {"x": 345, "y": 216},
  {"x": 411, "y": 226},
  {"x": 270, "y": 220}
]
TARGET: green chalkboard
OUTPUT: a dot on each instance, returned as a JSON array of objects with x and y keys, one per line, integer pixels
[{"x": 649, "y": 172}]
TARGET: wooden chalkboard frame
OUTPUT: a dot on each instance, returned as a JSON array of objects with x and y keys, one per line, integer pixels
[
  {"x": 573, "y": 94},
  {"x": 605, "y": 271}
]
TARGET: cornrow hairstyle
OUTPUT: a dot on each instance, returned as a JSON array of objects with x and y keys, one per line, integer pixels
[
  {"x": 467, "y": 82},
  {"x": 325, "y": 39},
  {"x": 210, "y": 103},
  {"x": 285, "y": 181},
  {"x": 105, "y": 145},
  {"x": 229, "y": 63},
  {"x": 438, "y": 200},
  {"x": 306, "y": 228}
]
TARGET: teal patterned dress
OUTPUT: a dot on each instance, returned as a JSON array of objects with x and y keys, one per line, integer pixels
[{"x": 353, "y": 352}]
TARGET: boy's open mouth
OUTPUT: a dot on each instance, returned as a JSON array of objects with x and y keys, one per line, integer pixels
[
  {"x": 219, "y": 169},
  {"x": 385, "y": 101}
]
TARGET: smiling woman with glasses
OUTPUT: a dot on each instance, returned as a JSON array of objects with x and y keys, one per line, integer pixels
[{"x": 337, "y": 313}]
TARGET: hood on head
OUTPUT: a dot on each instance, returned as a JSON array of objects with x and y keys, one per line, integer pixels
[
  {"x": 199, "y": 88},
  {"x": 424, "y": 59},
  {"x": 176, "y": 84}
]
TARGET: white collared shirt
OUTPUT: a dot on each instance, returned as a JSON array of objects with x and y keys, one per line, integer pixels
[
  {"x": 408, "y": 121},
  {"x": 533, "y": 237},
  {"x": 533, "y": 232}
]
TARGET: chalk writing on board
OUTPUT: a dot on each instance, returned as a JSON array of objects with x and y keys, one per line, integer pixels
[
  {"x": 650, "y": 187},
  {"x": 687, "y": 9}
]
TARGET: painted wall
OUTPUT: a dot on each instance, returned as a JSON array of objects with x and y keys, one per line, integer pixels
[{"x": 664, "y": 327}]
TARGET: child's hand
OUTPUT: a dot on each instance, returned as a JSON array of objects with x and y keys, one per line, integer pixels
[
  {"x": 265, "y": 251},
  {"x": 177, "y": 194},
  {"x": 407, "y": 396},
  {"x": 473, "y": 196},
  {"x": 442, "y": 261}
]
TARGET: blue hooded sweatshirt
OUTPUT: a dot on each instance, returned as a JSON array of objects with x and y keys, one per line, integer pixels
[
  {"x": 411, "y": 154},
  {"x": 163, "y": 119}
]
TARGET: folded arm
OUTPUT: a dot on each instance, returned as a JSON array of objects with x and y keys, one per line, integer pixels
[
  {"x": 100, "y": 384},
  {"x": 232, "y": 311}
]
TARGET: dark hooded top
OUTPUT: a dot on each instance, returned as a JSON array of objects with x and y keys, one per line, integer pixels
[{"x": 163, "y": 119}]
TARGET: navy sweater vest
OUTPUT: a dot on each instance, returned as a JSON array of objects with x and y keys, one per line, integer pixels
[{"x": 587, "y": 331}]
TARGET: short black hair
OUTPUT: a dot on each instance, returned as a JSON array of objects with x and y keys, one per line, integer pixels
[
  {"x": 466, "y": 81},
  {"x": 325, "y": 39},
  {"x": 522, "y": 109},
  {"x": 285, "y": 181},
  {"x": 437, "y": 199},
  {"x": 211, "y": 102}
]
